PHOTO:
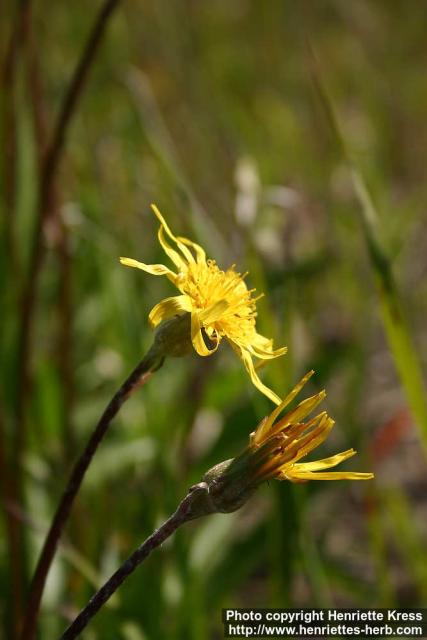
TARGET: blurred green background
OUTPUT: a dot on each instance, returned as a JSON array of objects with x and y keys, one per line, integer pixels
[{"x": 209, "y": 109}]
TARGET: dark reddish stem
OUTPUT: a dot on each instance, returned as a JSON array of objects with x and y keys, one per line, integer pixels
[
  {"x": 48, "y": 174},
  {"x": 8, "y": 81},
  {"x": 11, "y": 459},
  {"x": 49, "y": 170},
  {"x": 137, "y": 378},
  {"x": 184, "y": 513},
  {"x": 13, "y": 612}
]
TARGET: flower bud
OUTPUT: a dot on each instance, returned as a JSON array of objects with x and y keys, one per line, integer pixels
[{"x": 173, "y": 337}]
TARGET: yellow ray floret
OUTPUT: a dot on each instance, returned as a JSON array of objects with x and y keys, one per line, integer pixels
[
  {"x": 278, "y": 446},
  {"x": 220, "y": 304}
]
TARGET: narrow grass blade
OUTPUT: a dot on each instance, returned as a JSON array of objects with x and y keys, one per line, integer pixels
[
  {"x": 408, "y": 539},
  {"x": 397, "y": 331}
]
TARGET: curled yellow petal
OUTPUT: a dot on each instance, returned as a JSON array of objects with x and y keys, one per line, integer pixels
[
  {"x": 266, "y": 425},
  {"x": 185, "y": 252},
  {"x": 249, "y": 365},
  {"x": 197, "y": 339},
  {"x": 325, "y": 463},
  {"x": 200, "y": 253},
  {"x": 171, "y": 253},
  {"x": 262, "y": 348},
  {"x": 266, "y": 355},
  {"x": 327, "y": 475},
  {"x": 153, "y": 269},
  {"x": 168, "y": 308}
]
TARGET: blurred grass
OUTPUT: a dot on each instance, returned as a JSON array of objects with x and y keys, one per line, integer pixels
[
  {"x": 209, "y": 111},
  {"x": 395, "y": 324}
]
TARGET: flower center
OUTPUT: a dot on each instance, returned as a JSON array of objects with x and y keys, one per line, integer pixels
[{"x": 206, "y": 284}]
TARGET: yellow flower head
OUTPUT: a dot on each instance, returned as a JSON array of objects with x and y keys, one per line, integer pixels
[
  {"x": 275, "y": 450},
  {"x": 278, "y": 447},
  {"x": 220, "y": 304}
]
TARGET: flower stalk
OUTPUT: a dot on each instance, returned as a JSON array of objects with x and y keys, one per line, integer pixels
[
  {"x": 172, "y": 339},
  {"x": 197, "y": 503}
]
